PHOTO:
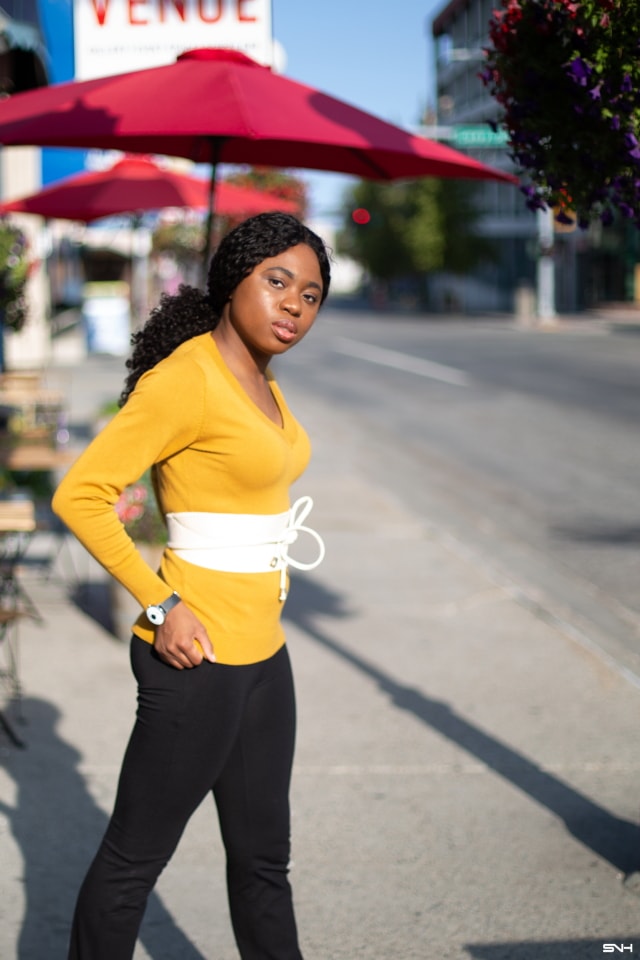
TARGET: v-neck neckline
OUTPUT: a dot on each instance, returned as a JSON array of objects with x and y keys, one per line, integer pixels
[{"x": 235, "y": 383}]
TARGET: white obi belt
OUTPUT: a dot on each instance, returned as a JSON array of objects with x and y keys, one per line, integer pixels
[{"x": 243, "y": 542}]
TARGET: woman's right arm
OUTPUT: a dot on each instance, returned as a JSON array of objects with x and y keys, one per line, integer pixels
[
  {"x": 153, "y": 425},
  {"x": 161, "y": 417}
]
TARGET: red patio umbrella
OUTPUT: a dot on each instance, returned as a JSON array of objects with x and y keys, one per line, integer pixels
[
  {"x": 134, "y": 184},
  {"x": 219, "y": 106}
]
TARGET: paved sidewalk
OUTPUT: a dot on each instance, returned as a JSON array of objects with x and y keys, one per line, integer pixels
[{"x": 466, "y": 776}]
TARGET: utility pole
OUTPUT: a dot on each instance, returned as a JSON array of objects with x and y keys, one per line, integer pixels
[{"x": 546, "y": 283}]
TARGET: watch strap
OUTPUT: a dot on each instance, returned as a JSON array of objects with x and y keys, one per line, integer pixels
[{"x": 170, "y": 602}]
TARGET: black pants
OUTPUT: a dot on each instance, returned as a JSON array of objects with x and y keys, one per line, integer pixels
[{"x": 225, "y": 729}]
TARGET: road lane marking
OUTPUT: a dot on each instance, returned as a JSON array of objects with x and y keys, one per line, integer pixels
[{"x": 401, "y": 361}]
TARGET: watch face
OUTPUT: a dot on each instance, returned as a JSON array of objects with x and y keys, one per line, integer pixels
[
  {"x": 157, "y": 612},
  {"x": 156, "y": 615}
]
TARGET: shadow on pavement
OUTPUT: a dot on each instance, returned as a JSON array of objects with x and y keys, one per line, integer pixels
[
  {"x": 57, "y": 826},
  {"x": 599, "y": 533},
  {"x": 94, "y": 599},
  {"x": 615, "y": 840},
  {"x": 629, "y": 328}
]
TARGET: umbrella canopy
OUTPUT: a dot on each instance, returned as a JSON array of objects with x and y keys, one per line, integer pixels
[
  {"x": 220, "y": 106},
  {"x": 134, "y": 184}
]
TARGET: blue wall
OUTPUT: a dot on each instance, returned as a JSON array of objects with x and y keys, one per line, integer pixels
[{"x": 56, "y": 19}]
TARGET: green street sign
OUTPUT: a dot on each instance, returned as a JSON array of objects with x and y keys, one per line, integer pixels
[{"x": 478, "y": 135}]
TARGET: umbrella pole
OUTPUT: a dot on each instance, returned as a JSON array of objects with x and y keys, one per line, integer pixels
[
  {"x": 137, "y": 292},
  {"x": 208, "y": 230}
]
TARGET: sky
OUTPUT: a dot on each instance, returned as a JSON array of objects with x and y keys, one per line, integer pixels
[{"x": 375, "y": 54}]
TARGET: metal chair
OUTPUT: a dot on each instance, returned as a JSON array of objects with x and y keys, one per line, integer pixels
[
  {"x": 17, "y": 524},
  {"x": 10, "y": 672}
]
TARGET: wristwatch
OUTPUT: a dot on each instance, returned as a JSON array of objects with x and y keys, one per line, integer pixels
[{"x": 157, "y": 612}]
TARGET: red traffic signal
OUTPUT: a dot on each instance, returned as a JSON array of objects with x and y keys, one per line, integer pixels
[{"x": 360, "y": 215}]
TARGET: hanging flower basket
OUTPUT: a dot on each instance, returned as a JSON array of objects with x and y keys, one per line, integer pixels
[{"x": 567, "y": 76}]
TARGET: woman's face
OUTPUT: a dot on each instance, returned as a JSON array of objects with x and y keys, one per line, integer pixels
[{"x": 275, "y": 306}]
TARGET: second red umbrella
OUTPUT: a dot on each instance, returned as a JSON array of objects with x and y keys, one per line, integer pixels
[{"x": 134, "y": 184}]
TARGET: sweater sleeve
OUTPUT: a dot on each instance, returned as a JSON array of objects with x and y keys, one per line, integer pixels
[{"x": 162, "y": 416}]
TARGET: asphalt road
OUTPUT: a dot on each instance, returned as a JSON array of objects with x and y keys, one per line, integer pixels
[{"x": 522, "y": 443}]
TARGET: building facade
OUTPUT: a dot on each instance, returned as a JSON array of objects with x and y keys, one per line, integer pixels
[{"x": 24, "y": 59}]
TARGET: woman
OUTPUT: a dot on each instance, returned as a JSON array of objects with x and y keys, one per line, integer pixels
[{"x": 215, "y": 696}]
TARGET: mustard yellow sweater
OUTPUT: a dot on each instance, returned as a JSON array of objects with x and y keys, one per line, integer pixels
[{"x": 213, "y": 450}]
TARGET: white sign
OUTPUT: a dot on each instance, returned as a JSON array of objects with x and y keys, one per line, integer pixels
[{"x": 116, "y": 36}]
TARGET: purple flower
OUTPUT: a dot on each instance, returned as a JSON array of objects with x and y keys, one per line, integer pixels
[
  {"x": 615, "y": 123},
  {"x": 579, "y": 71},
  {"x": 631, "y": 141},
  {"x": 627, "y": 85}
]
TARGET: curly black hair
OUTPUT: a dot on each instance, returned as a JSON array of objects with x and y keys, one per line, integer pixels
[{"x": 190, "y": 312}]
